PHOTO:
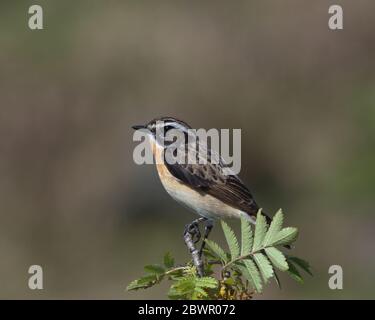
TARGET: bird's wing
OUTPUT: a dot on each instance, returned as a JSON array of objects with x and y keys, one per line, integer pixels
[{"x": 209, "y": 177}]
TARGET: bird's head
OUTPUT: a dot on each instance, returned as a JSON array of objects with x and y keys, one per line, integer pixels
[{"x": 158, "y": 128}]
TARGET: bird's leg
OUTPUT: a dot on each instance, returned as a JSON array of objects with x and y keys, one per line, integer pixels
[
  {"x": 207, "y": 229},
  {"x": 191, "y": 232}
]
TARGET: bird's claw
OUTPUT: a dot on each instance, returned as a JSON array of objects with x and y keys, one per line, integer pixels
[
  {"x": 193, "y": 230},
  {"x": 191, "y": 236}
]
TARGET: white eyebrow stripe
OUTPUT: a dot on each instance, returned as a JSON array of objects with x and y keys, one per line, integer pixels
[{"x": 174, "y": 124}]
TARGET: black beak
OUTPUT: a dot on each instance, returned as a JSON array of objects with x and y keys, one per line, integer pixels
[{"x": 139, "y": 126}]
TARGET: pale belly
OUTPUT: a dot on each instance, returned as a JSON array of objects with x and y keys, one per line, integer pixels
[{"x": 203, "y": 204}]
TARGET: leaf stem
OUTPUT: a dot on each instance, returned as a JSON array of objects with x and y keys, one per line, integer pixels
[
  {"x": 175, "y": 269},
  {"x": 241, "y": 258}
]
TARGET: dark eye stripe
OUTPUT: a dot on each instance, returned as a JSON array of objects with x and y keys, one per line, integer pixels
[
  {"x": 170, "y": 121},
  {"x": 175, "y": 125}
]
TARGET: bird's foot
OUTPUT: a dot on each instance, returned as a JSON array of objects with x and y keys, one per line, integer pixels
[
  {"x": 207, "y": 229},
  {"x": 193, "y": 230},
  {"x": 191, "y": 236}
]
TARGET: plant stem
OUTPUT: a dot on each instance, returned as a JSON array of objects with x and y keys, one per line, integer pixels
[
  {"x": 241, "y": 258},
  {"x": 175, "y": 269}
]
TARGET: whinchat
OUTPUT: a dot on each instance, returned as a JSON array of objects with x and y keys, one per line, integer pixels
[{"x": 203, "y": 187}]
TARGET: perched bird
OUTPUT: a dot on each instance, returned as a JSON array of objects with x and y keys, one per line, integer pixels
[{"x": 202, "y": 187}]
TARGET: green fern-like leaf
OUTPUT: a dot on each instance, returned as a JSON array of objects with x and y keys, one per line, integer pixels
[
  {"x": 217, "y": 250},
  {"x": 274, "y": 228},
  {"x": 168, "y": 260},
  {"x": 303, "y": 264},
  {"x": 231, "y": 238},
  {"x": 260, "y": 231},
  {"x": 246, "y": 237},
  {"x": 142, "y": 283},
  {"x": 182, "y": 288},
  {"x": 277, "y": 258},
  {"x": 252, "y": 274},
  {"x": 206, "y": 282},
  {"x": 285, "y": 236},
  {"x": 244, "y": 269},
  {"x": 264, "y": 266},
  {"x": 276, "y": 278},
  {"x": 192, "y": 287},
  {"x": 294, "y": 273},
  {"x": 154, "y": 269}
]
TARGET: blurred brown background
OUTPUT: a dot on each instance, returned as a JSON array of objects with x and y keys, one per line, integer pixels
[{"x": 73, "y": 201}]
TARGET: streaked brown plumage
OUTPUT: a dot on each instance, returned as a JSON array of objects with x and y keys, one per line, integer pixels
[{"x": 204, "y": 188}]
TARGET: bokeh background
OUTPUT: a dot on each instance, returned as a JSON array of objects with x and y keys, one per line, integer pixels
[{"x": 73, "y": 201}]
